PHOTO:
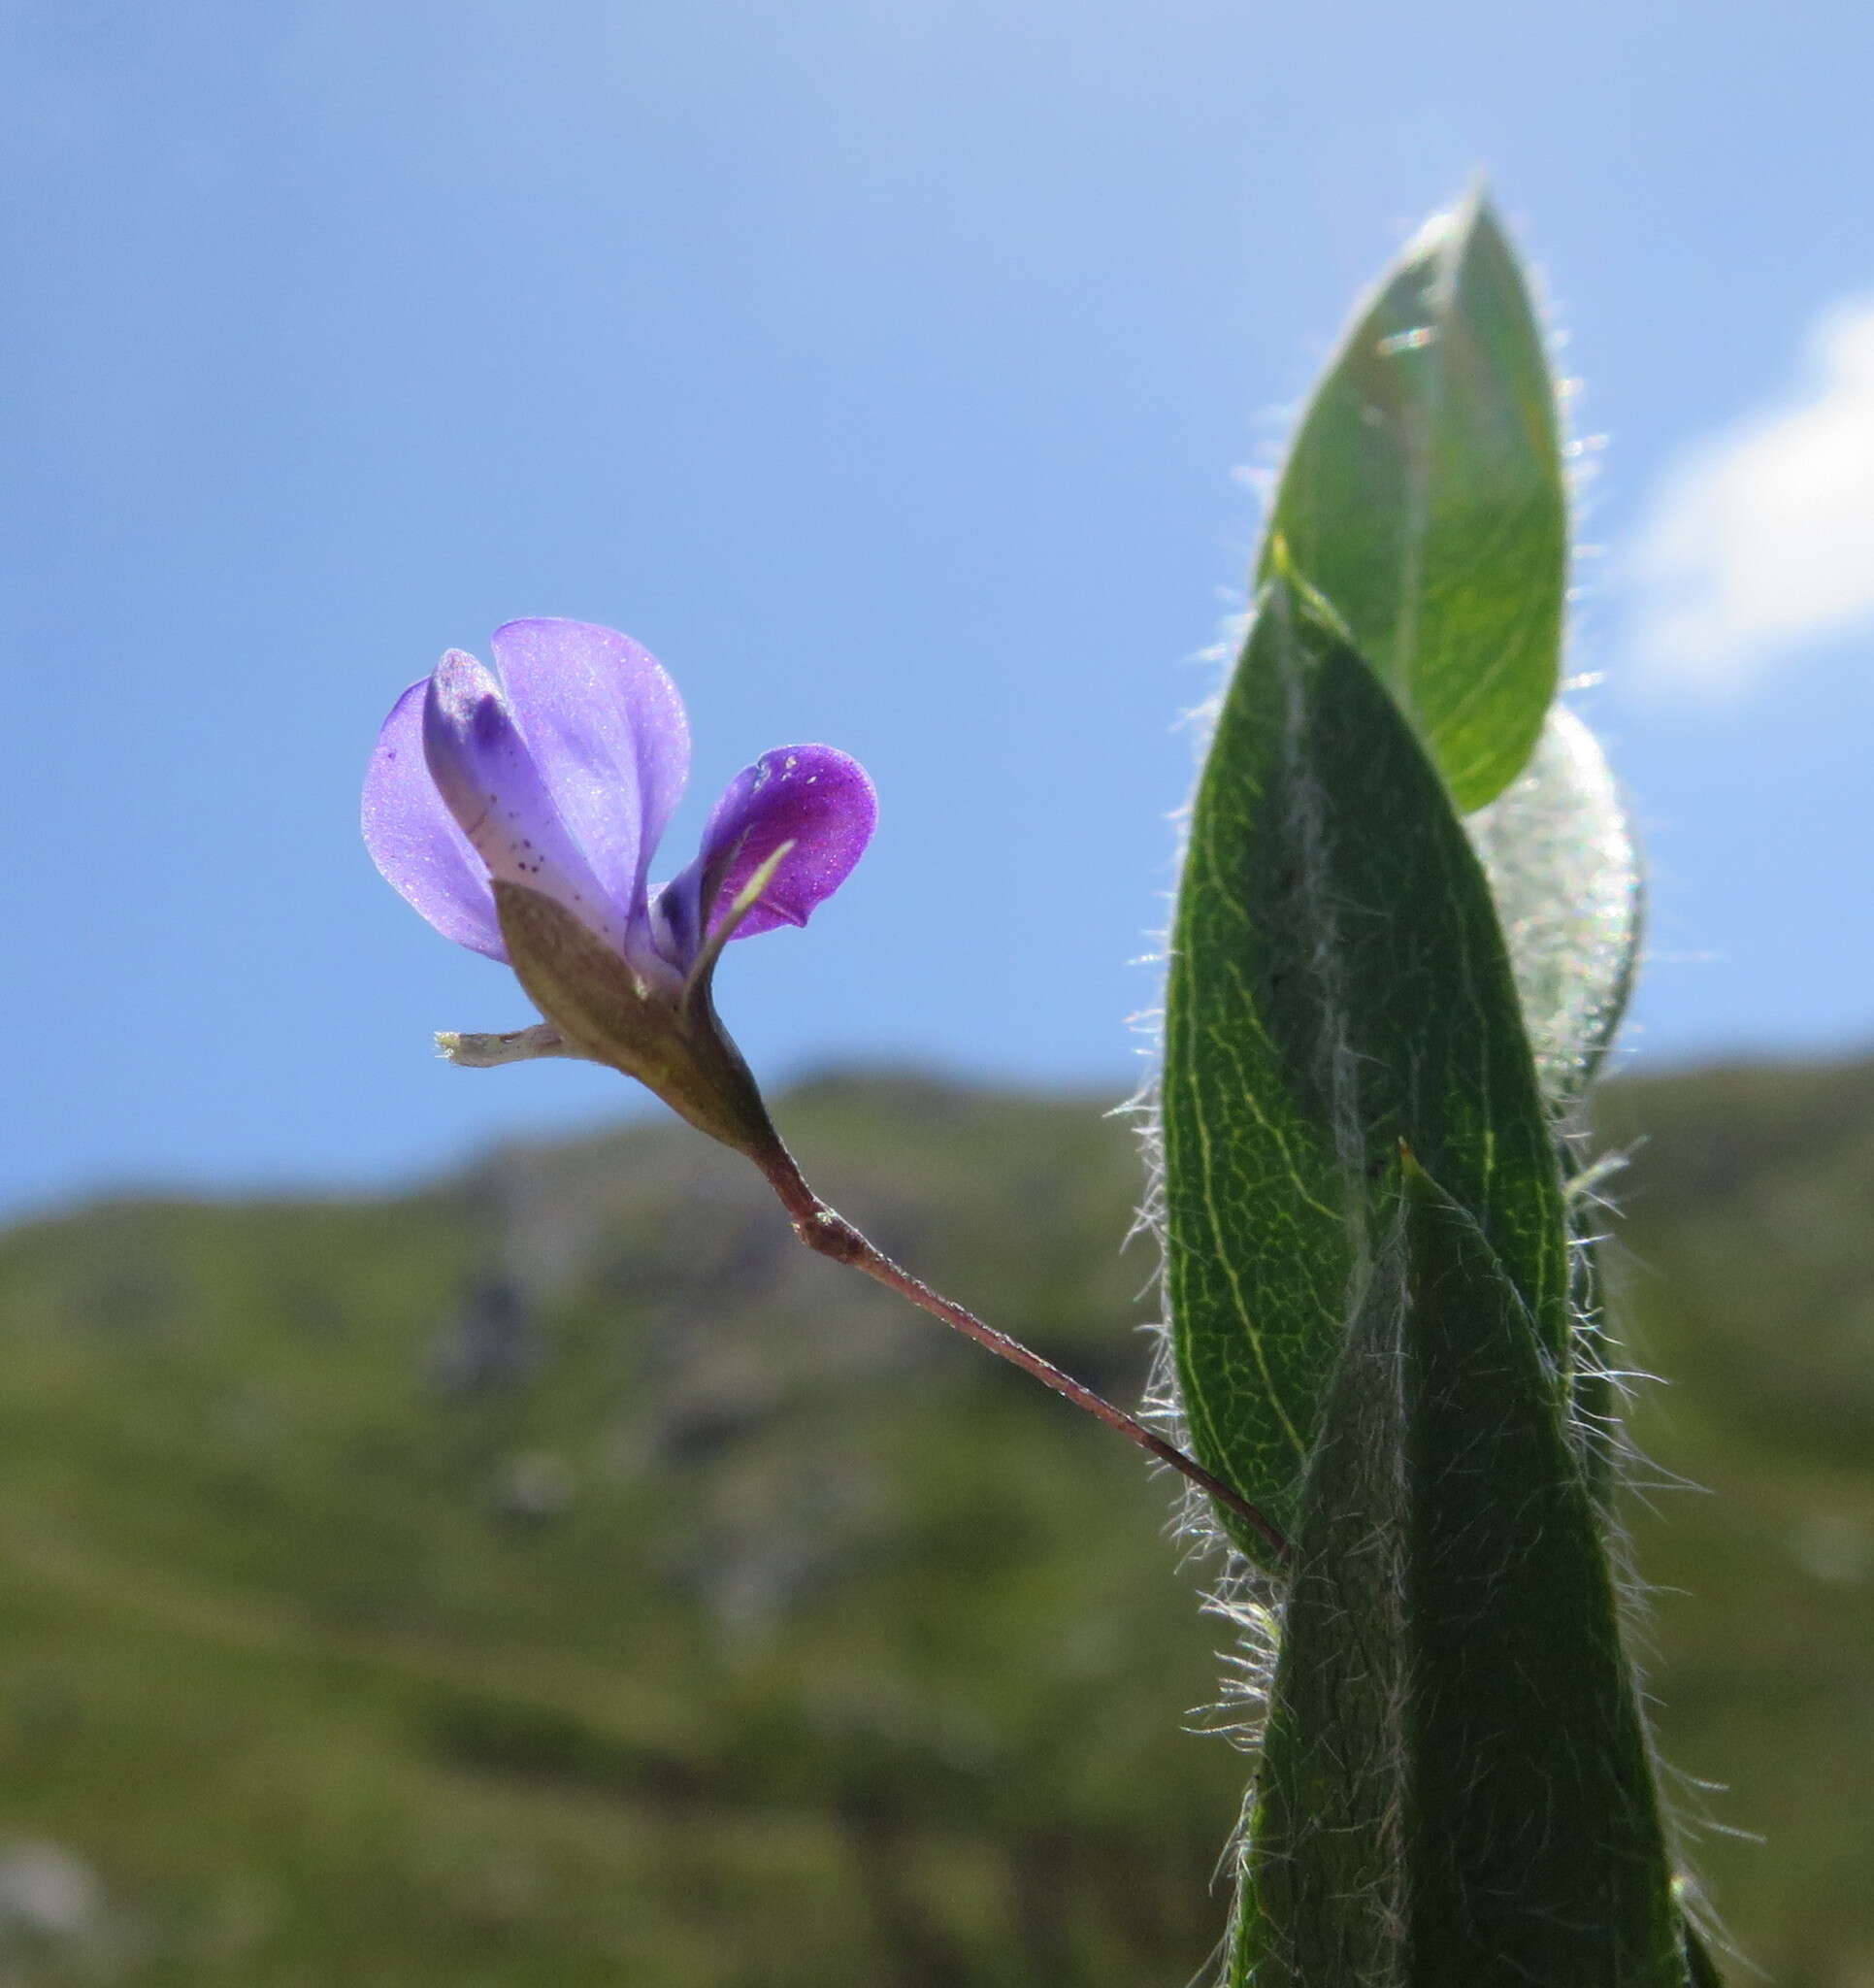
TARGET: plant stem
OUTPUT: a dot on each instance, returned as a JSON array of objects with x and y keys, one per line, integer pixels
[{"x": 828, "y": 1233}]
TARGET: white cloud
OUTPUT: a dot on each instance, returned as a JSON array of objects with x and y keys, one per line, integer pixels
[{"x": 1759, "y": 542}]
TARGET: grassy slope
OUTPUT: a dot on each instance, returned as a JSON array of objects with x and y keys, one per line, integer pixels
[
  {"x": 1750, "y": 1284},
  {"x": 752, "y": 1633}
]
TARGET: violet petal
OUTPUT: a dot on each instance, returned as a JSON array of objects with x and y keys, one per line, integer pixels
[
  {"x": 488, "y": 777},
  {"x": 812, "y": 796},
  {"x": 608, "y": 731},
  {"x": 415, "y": 841}
]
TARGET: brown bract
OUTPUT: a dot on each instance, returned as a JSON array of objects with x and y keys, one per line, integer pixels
[{"x": 667, "y": 1036}]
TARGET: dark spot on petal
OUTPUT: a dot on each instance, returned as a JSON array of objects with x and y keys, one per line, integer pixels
[{"x": 486, "y": 723}]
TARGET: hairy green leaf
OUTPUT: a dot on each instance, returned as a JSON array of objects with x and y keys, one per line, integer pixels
[
  {"x": 1565, "y": 873},
  {"x": 1424, "y": 496},
  {"x": 1456, "y": 1784},
  {"x": 1338, "y": 980}
]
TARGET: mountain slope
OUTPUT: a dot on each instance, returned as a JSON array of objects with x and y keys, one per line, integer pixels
[{"x": 559, "y": 1576}]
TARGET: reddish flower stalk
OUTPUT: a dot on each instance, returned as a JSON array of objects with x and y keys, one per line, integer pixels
[
  {"x": 520, "y": 810},
  {"x": 828, "y": 1233}
]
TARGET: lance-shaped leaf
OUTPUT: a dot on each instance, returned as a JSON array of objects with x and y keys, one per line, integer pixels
[
  {"x": 1424, "y": 496},
  {"x": 1456, "y": 1785},
  {"x": 1337, "y": 981},
  {"x": 1565, "y": 873}
]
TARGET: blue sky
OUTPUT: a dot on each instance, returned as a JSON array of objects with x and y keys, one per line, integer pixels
[{"x": 892, "y": 368}]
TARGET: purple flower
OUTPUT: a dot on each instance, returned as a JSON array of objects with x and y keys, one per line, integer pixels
[{"x": 520, "y": 814}]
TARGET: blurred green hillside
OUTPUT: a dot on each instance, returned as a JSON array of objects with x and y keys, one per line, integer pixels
[{"x": 558, "y": 1577}]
